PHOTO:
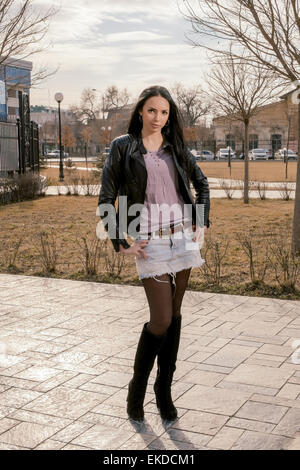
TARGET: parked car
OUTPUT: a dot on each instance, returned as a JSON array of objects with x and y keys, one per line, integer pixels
[
  {"x": 223, "y": 154},
  {"x": 259, "y": 154},
  {"x": 205, "y": 155},
  {"x": 279, "y": 155},
  {"x": 56, "y": 154},
  {"x": 241, "y": 156}
]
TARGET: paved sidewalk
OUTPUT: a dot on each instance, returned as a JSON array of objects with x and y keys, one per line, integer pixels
[
  {"x": 214, "y": 192},
  {"x": 217, "y": 181},
  {"x": 66, "y": 357}
]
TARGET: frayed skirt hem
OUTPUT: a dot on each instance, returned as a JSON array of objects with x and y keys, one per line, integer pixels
[{"x": 169, "y": 271}]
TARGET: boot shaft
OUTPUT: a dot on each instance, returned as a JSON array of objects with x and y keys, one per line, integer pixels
[
  {"x": 147, "y": 350},
  {"x": 167, "y": 356},
  {"x": 148, "y": 347}
]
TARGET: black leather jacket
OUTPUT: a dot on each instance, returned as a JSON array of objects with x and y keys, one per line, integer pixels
[{"x": 125, "y": 174}]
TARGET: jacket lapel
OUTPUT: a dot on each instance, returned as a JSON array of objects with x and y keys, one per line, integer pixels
[{"x": 137, "y": 150}]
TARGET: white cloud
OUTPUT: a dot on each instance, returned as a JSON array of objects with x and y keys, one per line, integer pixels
[
  {"x": 135, "y": 20},
  {"x": 133, "y": 36},
  {"x": 101, "y": 43}
]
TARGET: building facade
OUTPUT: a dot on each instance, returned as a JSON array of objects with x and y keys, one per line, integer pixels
[
  {"x": 15, "y": 76},
  {"x": 47, "y": 119},
  {"x": 274, "y": 126}
]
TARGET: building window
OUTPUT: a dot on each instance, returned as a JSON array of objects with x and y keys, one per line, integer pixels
[
  {"x": 253, "y": 141},
  {"x": 11, "y": 93},
  {"x": 12, "y": 111},
  {"x": 230, "y": 141},
  {"x": 17, "y": 75},
  {"x": 276, "y": 142}
]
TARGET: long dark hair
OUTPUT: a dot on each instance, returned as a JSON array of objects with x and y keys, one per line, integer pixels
[{"x": 173, "y": 131}]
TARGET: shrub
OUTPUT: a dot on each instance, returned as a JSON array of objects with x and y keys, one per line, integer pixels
[
  {"x": 12, "y": 252},
  {"x": 114, "y": 262},
  {"x": 261, "y": 188},
  {"x": 285, "y": 191},
  {"x": 284, "y": 261},
  {"x": 251, "y": 248},
  {"x": 21, "y": 187},
  {"x": 69, "y": 163},
  {"x": 214, "y": 252},
  {"x": 47, "y": 251},
  {"x": 227, "y": 187},
  {"x": 91, "y": 251},
  {"x": 90, "y": 184}
]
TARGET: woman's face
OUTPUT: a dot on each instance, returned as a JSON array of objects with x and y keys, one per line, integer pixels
[{"x": 155, "y": 114}]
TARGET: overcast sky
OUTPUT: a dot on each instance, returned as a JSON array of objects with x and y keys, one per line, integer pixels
[{"x": 128, "y": 43}]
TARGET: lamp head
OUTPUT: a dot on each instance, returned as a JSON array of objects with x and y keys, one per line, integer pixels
[{"x": 59, "y": 97}]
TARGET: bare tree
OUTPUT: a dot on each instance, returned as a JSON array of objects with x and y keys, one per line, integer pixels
[
  {"x": 288, "y": 115},
  {"x": 269, "y": 30},
  {"x": 113, "y": 98},
  {"x": 192, "y": 103},
  {"x": 89, "y": 108},
  {"x": 86, "y": 135},
  {"x": 41, "y": 73},
  {"x": 238, "y": 90},
  {"x": 68, "y": 138},
  {"x": 22, "y": 31}
]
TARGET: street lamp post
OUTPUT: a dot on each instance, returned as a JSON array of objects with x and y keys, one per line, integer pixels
[{"x": 59, "y": 97}]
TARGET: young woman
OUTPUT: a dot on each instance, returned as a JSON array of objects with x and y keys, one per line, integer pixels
[{"x": 151, "y": 166}]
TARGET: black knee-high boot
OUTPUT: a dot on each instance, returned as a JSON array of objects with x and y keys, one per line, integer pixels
[
  {"x": 147, "y": 350},
  {"x": 166, "y": 366}
]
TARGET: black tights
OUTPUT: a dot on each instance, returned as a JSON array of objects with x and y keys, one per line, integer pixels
[{"x": 164, "y": 303}]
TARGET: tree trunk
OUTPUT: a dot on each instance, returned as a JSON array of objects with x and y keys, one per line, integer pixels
[
  {"x": 296, "y": 220},
  {"x": 246, "y": 163},
  {"x": 287, "y": 148}
]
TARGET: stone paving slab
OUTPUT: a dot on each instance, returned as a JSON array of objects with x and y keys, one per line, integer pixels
[{"x": 66, "y": 357}]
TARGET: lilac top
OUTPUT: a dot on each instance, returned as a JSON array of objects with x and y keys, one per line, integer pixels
[{"x": 163, "y": 202}]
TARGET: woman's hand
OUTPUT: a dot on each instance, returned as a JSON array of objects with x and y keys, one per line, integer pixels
[
  {"x": 135, "y": 249},
  {"x": 198, "y": 232}
]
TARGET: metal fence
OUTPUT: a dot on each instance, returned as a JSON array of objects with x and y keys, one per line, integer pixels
[
  {"x": 28, "y": 132},
  {"x": 272, "y": 145},
  {"x": 28, "y": 137},
  {"x": 9, "y": 147},
  {"x": 19, "y": 147}
]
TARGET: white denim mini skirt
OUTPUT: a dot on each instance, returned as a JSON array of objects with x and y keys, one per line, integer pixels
[{"x": 168, "y": 255}]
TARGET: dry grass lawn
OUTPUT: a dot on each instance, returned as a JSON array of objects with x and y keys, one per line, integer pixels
[
  {"x": 70, "y": 217},
  {"x": 273, "y": 171},
  {"x": 52, "y": 174},
  {"x": 258, "y": 171}
]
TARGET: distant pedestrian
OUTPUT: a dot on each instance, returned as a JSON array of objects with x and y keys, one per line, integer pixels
[{"x": 152, "y": 166}]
